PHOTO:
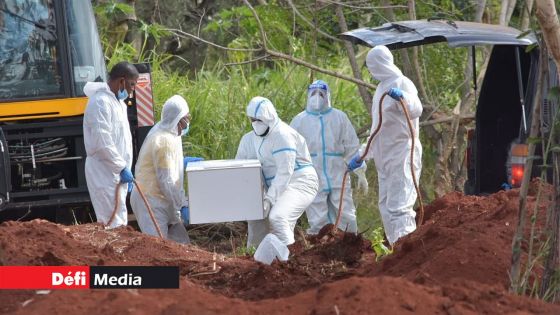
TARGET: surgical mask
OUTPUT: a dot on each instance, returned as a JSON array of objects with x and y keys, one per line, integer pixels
[
  {"x": 185, "y": 131},
  {"x": 123, "y": 94},
  {"x": 260, "y": 128},
  {"x": 316, "y": 103}
]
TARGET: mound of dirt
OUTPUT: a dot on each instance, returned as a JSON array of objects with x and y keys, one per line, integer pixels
[
  {"x": 334, "y": 244},
  {"x": 457, "y": 263},
  {"x": 377, "y": 295},
  {"x": 466, "y": 237},
  {"x": 40, "y": 242}
]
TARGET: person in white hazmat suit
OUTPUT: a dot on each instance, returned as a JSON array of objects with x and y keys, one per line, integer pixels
[
  {"x": 256, "y": 230},
  {"x": 160, "y": 173},
  {"x": 332, "y": 142},
  {"x": 390, "y": 149},
  {"x": 108, "y": 143},
  {"x": 287, "y": 170}
]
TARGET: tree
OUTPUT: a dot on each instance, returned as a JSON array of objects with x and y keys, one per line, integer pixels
[{"x": 550, "y": 26}]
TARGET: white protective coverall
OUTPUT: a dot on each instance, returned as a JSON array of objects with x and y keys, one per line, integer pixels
[
  {"x": 108, "y": 145},
  {"x": 287, "y": 169},
  {"x": 332, "y": 141},
  {"x": 246, "y": 148},
  {"x": 159, "y": 172},
  {"x": 390, "y": 149}
]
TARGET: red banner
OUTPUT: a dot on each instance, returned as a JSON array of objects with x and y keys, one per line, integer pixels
[
  {"x": 89, "y": 277},
  {"x": 44, "y": 277}
]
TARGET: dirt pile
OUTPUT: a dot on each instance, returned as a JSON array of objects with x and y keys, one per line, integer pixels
[
  {"x": 465, "y": 237},
  {"x": 334, "y": 244},
  {"x": 457, "y": 263},
  {"x": 375, "y": 295},
  {"x": 43, "y": 243},
  {"x": 40, "y": 242}
]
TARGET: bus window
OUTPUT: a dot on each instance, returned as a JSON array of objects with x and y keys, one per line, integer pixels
[
  {"x": 85, "y": 48},
  {"x": 29, "y": 61}
]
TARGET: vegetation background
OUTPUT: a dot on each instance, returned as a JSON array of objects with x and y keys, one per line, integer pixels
[{"x": 218, "y": 84}]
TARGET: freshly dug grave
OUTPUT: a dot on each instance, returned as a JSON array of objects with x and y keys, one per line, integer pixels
[{"x": 457, "y": 263}]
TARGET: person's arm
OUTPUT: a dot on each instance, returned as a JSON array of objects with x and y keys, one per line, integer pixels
[
  {"x": 410, "y": 95},
  {"x": 284, "y": 155},
  {"x": 349, "y": 139},
  {"x": 246, "y": 150},
  {"x": 102, "y": 145},
  {"x": 413, "y": 103},
  {"x": 165, "y": 166}
]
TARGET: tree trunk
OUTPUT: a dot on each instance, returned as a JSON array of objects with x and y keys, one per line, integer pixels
[
  {"x": 468, "y": 100},
  {"x": 515, "y": 272},
  {"x": 526, "y": 15},
  {"x": 555, "y": 261},
  {"x": 416, "y": 59},
  {"x": 506, "y": 11},
  {"x": 550, "y": 26},
  {"x": 450, "y": 173},
  {"x": 503, "y": 12},
  {"x": 407, "y": 67},
  {"x": 480, "y": 6},
  {"x": 314, "y": 48},
  {"x": 366, "y": 96},
  {"x": 552, "y": 263},
  {"x": 509, "y": 13}
]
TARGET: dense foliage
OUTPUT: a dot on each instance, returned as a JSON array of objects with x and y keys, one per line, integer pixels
[{"x": 218, "y": 91}]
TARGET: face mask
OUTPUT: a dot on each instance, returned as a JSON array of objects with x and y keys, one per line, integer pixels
[
  {"x": 260, "y": 128},
  {"x": 185, "y": 131},
  {"x": 316, "y": 103},
  {"x": 123, "y": 94}
]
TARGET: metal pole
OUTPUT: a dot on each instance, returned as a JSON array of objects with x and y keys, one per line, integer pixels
[{"x": 520, "y": 85}]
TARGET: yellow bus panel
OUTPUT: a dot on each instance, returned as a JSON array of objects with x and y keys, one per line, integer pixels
[{"x": 62, "y": 107}]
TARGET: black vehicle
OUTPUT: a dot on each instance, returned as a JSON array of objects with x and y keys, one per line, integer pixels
[{"x": 505, "y": 97}]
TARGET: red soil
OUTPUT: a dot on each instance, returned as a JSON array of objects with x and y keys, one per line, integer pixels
[{"x": 457, "y": 263}]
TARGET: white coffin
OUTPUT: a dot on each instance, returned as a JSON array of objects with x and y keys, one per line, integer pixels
[{"x": 225, "y": 191}]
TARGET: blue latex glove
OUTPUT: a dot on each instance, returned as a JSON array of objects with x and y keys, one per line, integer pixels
[
  {"x": 188, "y": 159},
  {"x": 396, "y": 93},
  {"x": 130, "y": 186},
  {"x": 126, "y": 175},
  {"x": 355, "y": 163},
  {"x": 185, "y": 214}
]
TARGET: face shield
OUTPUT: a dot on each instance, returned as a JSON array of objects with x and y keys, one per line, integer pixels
[{"x": 318, "y": 96}]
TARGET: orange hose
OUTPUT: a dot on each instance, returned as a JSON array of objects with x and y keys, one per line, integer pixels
[
  {"x": 145, "y": 202},
  {"x": 362, "y": 157},
  {"x": 420, "y": 201},
  {"x": 148, "y": 207},
  {"x": 116, "y": 206}
]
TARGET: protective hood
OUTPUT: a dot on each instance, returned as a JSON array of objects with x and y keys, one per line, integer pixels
[
  {"x": 323, "y": 88},
  {"x": 380, "y": 64},
  {"x": 173, "y": 110},
  {"x": 261, "y": 108},
  {"x": 93, "y": 87}
]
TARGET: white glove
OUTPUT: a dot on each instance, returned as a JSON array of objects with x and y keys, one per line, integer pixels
[
  {"x": 363, "y": 184},
  {"x": 267, "y": 205}
]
